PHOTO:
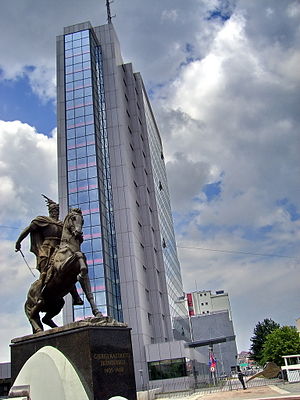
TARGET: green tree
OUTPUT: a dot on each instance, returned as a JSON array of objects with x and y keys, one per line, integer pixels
[
  {"x": 283, "y": 341},
  {"x": 261, "y": 331}
]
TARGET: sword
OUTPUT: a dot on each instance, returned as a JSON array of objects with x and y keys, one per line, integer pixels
[{"x": 30, "y": 269}]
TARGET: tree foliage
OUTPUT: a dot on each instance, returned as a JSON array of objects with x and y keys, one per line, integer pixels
[
  {"x": 261, "y": 331},
  {"x": 283, "y": 341}
]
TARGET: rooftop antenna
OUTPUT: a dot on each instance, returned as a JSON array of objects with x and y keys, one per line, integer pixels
[{"x": 109, "y": 16}]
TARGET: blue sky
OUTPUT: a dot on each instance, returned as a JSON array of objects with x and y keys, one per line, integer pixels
[
  {"x": 224, "y": 83},
  {"x": 17, "y": 101}
]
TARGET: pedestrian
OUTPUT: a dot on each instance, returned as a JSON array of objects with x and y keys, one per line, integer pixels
[{"x": 241, "y": 379}]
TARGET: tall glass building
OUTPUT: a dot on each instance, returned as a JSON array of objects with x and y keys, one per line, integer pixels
[{"x": 111, "y": 165}]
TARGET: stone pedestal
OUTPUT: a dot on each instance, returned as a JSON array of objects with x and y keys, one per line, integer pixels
[{"x": 101, "y": 355}]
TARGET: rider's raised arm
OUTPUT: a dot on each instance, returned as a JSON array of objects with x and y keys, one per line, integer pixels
[{"x": 23, "y": 235}]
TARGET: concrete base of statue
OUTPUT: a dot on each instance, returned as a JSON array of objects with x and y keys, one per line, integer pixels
[{"x": 85, "y": 360}]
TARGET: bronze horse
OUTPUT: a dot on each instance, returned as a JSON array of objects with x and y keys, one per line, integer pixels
[{"x": 67, "y": 266}]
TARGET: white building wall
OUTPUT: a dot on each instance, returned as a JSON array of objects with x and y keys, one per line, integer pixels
[
  {"x": 220, "y": 302},
  {"x": 143, "y": 288},
  {"x": 206, "y": 302}
]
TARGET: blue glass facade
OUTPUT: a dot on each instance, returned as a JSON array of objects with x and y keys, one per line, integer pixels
[{"x": 88, "y": 171}]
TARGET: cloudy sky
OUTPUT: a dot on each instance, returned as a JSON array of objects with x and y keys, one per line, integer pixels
[{"x": 224, "y": 81}]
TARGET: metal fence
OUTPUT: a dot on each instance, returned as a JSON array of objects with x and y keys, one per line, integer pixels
[{"x": 185, "y": 389}]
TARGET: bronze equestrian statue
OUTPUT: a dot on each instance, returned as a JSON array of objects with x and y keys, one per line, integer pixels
[
  {"x": 61, "y": 264},
  {"x": 45, "y": 234}
]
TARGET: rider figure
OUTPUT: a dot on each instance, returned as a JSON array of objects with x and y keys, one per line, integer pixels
[{"x": 45, "y": 234}]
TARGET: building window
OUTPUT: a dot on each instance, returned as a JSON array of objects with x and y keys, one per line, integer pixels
[
  {"x": 147, "y": 294},
  {"x": 167, "y": 369}
]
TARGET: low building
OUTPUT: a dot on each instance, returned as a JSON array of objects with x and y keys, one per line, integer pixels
[
  {"x": 5, "y": 378},
  {"x": 216, "y": 326},
  {"x": 203, "y": 302}
]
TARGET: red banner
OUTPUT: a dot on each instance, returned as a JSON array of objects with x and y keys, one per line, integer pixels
[{"x": 190, "y": 304}]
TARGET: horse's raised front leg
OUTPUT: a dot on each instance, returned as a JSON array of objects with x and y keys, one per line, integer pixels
[{"x": 85, "y": 283}]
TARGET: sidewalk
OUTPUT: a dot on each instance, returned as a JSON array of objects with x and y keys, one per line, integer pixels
[
  {"x": 288, "y": 391},
  {"x": 285, "y": 391}
]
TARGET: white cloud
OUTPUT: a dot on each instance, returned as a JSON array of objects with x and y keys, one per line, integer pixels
[
  {"x": 293, "y": 9},
  {"x": 233, "y": 113},
  {"x": 43, "y": 83},
  {"x": 188, "y": 177},
  {"x": 238, "y": 119},
  {"x": 15, "y": 279},
  {"x": 28, "y": 168},
  {"x": 29, "y": 47},
  {"x": 30, "y": 29}
]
